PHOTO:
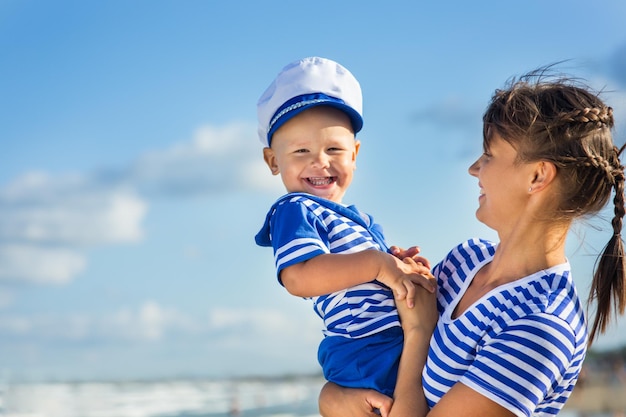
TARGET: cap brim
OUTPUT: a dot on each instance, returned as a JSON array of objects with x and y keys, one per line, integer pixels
[{"x": 355, "y": 118}]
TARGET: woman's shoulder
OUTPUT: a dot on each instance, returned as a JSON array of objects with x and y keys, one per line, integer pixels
[
  {"x": 461, "y": 263},
  {"x": 471, "y": 251}
]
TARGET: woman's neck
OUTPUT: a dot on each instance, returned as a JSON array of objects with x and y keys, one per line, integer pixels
[{"x": 525, "y": 250}]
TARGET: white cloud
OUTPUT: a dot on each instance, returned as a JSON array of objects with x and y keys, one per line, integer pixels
[
  {"x": 216, "y": 159},
  {"x": 148, "y": 322},
  {"x": 40, "y": 265},
  {"x": 257, "y": 175},
  {"x": 232, "y": 340},
  {"x": 151, "y": 322},
  {"x": 69, "y": 210},
  {"x": 15, "y": 326},
  {"x": 268, "y": 319},
  {"x": 267, "y": 322},
  {"x": 6, "y": 298},
  {"x": 46, "y": 220}
]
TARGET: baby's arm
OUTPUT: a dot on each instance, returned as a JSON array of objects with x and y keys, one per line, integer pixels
[{"x": 328, "y": 273}]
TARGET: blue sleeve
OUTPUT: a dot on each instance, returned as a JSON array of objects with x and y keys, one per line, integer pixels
[{"x": 296, "y": 234}]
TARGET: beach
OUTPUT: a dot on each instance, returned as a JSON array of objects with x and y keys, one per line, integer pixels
[
  {"x": 295, "y": 396},
  {"x": 598, "y": 399},
  {"x": 245, "y": 397}
]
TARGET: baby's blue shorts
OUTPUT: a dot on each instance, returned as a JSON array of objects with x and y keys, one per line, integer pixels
[{"x": 368, "y": 362}]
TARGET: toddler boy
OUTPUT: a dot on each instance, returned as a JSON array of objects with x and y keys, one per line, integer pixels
[{"x": 323, "y": 249}]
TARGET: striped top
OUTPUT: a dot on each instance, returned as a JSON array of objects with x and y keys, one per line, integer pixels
[
  {"x": 521, "y": 345},
  {"x": 301, "y": 226}
]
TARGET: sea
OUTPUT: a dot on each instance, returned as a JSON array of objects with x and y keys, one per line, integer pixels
[
  {"x": 239, "y": 397},
  {"x": 233, "y": 397}
]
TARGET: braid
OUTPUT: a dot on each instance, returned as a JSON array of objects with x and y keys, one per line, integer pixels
[
  {"x": 566, "y": 123},
  {"x": 618, "y": 201},
  {"x": 599, "y": 116},
  {"x": 606, "y": 166},
  {"x": 609, "y": 281},
  {"x": 611, "y": 172},
  {"x": 618, "y": 182}
]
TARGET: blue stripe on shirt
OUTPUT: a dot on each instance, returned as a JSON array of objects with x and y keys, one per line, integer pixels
[
  {"x": 522, "y": 345},
  {"x": 302, "y": 227}
]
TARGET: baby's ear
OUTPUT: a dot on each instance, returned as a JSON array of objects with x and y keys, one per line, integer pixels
[
  {"x": 357, "y": 146},
  {"x": 270, "y": 160}
]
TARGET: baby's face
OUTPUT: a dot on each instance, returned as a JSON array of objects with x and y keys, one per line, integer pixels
[{"x": 315, "y": 152}]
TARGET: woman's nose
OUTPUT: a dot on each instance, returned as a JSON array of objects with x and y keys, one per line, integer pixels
[{"x": 473, "y": 169}]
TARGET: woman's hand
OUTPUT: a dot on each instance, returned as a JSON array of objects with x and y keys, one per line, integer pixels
[
  {"x": 337, "y": 401},
  {"x": 413, "y": 253},
  {"x": 403, "y": 277},
  {"x": 422, "y": 318}
]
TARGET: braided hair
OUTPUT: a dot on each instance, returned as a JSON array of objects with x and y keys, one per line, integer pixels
[{"x": 560, "y": 120}]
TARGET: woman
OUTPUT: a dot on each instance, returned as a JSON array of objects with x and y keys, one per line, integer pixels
[{"x": 509, "y": 332}]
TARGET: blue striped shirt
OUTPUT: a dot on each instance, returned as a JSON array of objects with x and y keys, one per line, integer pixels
[
  {"x": 301, "y": 226},
  {"x": 521, "y": 345}
]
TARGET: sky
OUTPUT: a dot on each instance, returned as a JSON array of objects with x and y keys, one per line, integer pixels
[{"x": 132, "y": 181}]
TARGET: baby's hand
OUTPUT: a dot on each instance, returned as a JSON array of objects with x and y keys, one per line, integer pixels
[
  {"x": 402, "y": 276},
  {"x": 412, "y": 252}
]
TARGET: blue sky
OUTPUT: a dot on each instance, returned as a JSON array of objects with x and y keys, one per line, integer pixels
[{"x": 132, "y": 182}]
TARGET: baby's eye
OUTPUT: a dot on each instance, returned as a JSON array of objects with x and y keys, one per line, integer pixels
[{"x": 303, "y": 150}]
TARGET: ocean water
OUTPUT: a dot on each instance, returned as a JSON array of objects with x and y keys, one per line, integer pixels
[
  {"x": 286, "y": 397},
  {"x": 290, "y": 397}
]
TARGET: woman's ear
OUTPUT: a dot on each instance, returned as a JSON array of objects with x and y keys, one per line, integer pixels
[
  {"x": 544, "y": 175},
  {"x": 270, "y": 160}
]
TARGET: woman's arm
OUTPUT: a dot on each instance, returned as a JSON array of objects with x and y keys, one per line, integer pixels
[
  {"x": 409, "y": 401},
  {"x": 462, "y": 400},
  {"x": 418, "y": 324}
]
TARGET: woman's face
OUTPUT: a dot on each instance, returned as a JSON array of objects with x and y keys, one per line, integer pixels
[{"x": 504, "y": 184}]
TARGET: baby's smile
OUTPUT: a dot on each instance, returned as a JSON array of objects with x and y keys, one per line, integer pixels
[{"x": 317, "y": 181}]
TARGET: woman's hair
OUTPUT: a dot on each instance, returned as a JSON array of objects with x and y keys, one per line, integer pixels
[{"x": 557, "y": 119}]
